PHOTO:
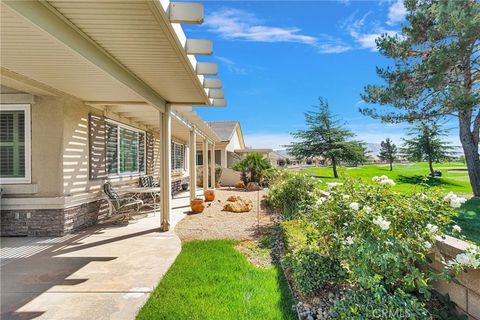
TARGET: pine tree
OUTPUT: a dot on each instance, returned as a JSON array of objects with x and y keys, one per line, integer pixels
[
  {"x": 388, "y": 152},
  {"x": 435, "y": 72},
  {"x": 426, "y": 144},
  {"x": 326, "y": 137}
]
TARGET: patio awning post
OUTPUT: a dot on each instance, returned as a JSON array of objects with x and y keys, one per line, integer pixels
[
  {"x": 205, "y": 164},
  {"x": 192, "y": 165},
  {"x": 165, "y": 168},
  {"x": 212, "y": 166}
]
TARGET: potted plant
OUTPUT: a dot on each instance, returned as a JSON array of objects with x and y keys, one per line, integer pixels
[{"x": 197, "y": 205}]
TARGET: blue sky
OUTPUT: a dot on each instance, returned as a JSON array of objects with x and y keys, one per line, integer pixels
[{"x": 276, "y": 57}]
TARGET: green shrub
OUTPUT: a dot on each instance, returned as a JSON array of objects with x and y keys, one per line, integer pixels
[
  {"x": 310, "y": 270},
  {"x": 380, "y": 236},
  {"x": 377, "y": 303},
  {"x": 292, "y": 193},
  {"x": 306, "y": 258},
  {"x": 299, "y": 234}
]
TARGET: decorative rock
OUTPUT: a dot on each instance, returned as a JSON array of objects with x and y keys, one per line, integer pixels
[
  {"x": 253, "y": 186},
  {"x": 239, "y": 185},
  {"x": 241, "y": 205},
  {"x": 233, "y": 198}
]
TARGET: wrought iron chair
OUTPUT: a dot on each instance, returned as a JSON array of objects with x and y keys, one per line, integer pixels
[
  {"x": 121, "y": 205},
  {"x": 149, "y": 182}
]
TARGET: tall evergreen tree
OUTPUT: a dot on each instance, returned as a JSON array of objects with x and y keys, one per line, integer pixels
[
  {"x": 388, "y": 152},
  {"x": 435, "y": 72},
  {"x": 326, "y": 137},
  {"x": 426, "y": 144}
]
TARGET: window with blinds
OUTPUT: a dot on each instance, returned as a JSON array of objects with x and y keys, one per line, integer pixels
[
  {"x": 178, "y": 156},
  {"x": 14, "y": 143},
  {"x": 125, "y": 149},
  {"x": 111, "y": 140}
]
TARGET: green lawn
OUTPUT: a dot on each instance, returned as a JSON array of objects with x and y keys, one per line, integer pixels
[
  {"x": 408, "y": 178},
  {"x": 212, "y": 280}
]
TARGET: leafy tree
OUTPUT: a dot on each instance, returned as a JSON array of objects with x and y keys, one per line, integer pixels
[
  {"x": 436, "y": 71},
  {"x": 426, "y": 144},
  {"x": 388, "y": 152},
  {"x": 255, "y": 164},
  {"x": 325, "y": 137}
]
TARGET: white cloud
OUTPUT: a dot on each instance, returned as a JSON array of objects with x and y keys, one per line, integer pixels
[
  {"x": 365, "y": 39},
  {"x": 396, "y": 13},
  {"x": 238, "y": 24},
  {"x": 267, "y": 140},
  {"x": 329, "y": 44},
  {"x": 231, "y": 66}
]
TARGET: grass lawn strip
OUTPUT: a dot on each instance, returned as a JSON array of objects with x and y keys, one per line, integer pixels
[{"x": 212, "y": 280}]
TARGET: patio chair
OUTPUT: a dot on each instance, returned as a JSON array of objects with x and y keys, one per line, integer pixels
[
  {"x": 148, "y": 181},
  {"x": 121, "y": 205}
]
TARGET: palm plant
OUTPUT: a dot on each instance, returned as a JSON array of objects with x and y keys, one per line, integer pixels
[{"x": 255, "y": 165}]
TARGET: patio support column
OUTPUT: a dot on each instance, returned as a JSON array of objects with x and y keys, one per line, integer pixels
[
  {"x": 165, "y": 167},
  {"x": 212, "y": 166},
  {"x": 205, "y": 164},
  {"x": 193, "y": 165}
]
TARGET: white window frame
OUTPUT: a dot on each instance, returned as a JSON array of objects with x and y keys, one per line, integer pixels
[
  {"x": 131, "y": 173},
  {"x": 26, "y": 108},
  {"x": 184, "y": 156}
]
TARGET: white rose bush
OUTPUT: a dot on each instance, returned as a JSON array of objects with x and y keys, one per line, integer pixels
[{"x": 379, "y": 238}]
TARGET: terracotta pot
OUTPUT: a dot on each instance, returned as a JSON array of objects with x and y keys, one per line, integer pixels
[
  {"x": 197, "y": 205},
  {"x": 209, "y": 195}
]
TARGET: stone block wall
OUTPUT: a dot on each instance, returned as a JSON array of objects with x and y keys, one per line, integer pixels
[
  {"x": 466, "y": 294},
  {"x": 50, "y": 222}
]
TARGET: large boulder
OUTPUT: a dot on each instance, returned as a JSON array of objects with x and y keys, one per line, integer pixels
[
  {"x": 238, "y": 204},
  {"x": 239, "y": 185},
  {"x": 253, "y": 186}
]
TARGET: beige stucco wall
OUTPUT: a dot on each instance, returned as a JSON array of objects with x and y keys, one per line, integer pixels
[
  {"x": 234, "y": 143},
  {"x": 60, "y": 152},
  {"x": 47, "y": 131},
  {"x": 46, "y": 141},
  {"x": 75, "y": 151}
]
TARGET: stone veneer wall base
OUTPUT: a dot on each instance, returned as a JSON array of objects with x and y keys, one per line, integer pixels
[{"x": 51, "y": 222}]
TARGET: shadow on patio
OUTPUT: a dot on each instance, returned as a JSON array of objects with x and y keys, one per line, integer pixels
[{"x": 103, "y": 272}]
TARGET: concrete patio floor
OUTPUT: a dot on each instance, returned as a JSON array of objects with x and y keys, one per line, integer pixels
[{"x": 103, "y": 272}]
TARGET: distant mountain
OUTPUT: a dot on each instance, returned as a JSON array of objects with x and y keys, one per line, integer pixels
[
  {"x": 373, "y": 148},
  {"x": 282, "y": 152}
]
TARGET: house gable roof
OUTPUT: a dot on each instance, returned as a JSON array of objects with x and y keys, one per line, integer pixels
[{"x": 226, "y": 129}]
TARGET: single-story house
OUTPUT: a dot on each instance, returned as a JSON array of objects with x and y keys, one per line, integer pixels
[
  {"x": 94, "y": 92},
  {"x": 232, "y": 149},
  {"x": 231, "y": 139}
]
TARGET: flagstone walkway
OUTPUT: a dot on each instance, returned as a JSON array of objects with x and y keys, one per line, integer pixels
[{"x": 103, "y": 272}]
